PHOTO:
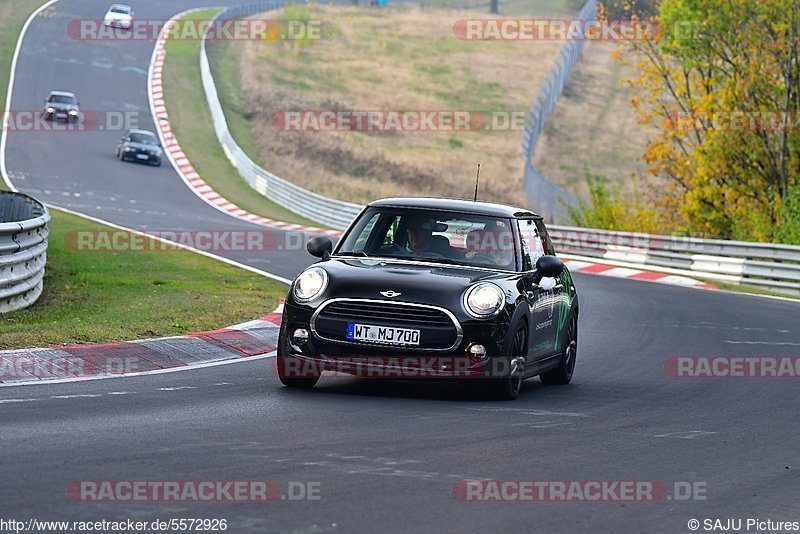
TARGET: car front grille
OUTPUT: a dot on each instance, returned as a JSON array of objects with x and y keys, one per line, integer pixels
[{"x": 439, "y": 330}]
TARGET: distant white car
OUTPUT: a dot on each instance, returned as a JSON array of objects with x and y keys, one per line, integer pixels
[{"x": 119, "y": 16}]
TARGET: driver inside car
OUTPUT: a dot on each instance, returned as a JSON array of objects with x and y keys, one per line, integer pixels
[{"x": 422, "y": 241}]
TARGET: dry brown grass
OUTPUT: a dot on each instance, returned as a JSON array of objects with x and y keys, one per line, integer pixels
[
  {"x": 593, "y": 125},
  {"x": 392, "y": 59}
]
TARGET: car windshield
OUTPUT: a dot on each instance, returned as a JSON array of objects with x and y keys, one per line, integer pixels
[
  {"x": 434, "y": 236},
  {"x": 121, "y": 10},
  {"x": 61, "y": 99},
  {"x": 142, "y": 138}
]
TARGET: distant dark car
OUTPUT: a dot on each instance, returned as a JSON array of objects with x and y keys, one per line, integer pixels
[
  {"x": 421, "y": 287},
  {"x": 61, "y": 105},
  {"x": 140, "y": 145}
]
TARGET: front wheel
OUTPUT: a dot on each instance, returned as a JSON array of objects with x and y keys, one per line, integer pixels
[
  {"x": 566, "y": 367},
  {"x": 508, "y": 386},
  {"x": 295, "y": 373}
]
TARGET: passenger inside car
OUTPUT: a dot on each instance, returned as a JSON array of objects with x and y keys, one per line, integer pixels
[
  {"x": 492, "y": 247},
  {"x": 421, "y": 239}
]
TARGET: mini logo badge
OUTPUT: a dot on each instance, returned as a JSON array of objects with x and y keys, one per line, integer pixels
[{"x": 390, "y": 293}]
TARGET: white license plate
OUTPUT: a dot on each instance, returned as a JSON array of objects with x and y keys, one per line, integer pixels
[
  {"x": 382, "y": 334},
  {"x": 142, "y": 156}
]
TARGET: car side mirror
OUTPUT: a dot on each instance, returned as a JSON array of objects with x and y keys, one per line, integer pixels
[
  {"x": 547, "y": 267},
  {"x": 320, "y": 246}
]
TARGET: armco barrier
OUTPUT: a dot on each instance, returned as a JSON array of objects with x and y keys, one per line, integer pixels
[
  {"x": 549, "y": 198},
  {"x": 328, "y": 211},
  {"x": 23, "y": 250},
  {"x": 767, "y": 265},
  {"x": 774, "y": 267}
]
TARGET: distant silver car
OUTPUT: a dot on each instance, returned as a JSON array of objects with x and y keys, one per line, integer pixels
[
  {"x": 61, "y": 105},
  {"x": 119, "y": 16}
]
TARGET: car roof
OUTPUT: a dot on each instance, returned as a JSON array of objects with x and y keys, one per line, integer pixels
[
  {"x": 135, "y": 131},
  {"x": 62, "y": 93},
  {"x": 456, "y": 205},
  {"x": 121, "y": 6}
]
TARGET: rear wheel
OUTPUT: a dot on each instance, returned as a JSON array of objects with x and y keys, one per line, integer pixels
[
  {"x": 508, "y": 386},
  {"x": 566, "y": 367}
]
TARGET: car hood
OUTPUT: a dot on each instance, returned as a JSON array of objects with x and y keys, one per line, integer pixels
[
  {"x": 60, "y": 107},
  {"x": 415, "y": 282},
  {"x": 117, "y": 16},
  {"x": 142, "y": 146}
]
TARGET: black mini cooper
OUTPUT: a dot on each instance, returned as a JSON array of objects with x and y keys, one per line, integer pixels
[{"x": 422, "y": 287}]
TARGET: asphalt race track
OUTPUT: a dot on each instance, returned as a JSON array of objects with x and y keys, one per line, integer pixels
[
  {"x": 78, "y": 170},
  {"x": 386, "y": 454}
]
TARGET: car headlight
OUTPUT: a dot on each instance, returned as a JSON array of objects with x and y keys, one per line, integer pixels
[
  {"x": 310, "y": 284},
  {"x": 73, "y": 112},
  {"x": 51, "y": 110},
  {"x": 128, "y": 149},
  {"x": 484, "y": 300}
]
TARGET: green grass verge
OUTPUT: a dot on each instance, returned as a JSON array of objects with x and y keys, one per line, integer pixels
[
  {"x": 191, "y": 123},
  {"x": 100, "y": 296}
]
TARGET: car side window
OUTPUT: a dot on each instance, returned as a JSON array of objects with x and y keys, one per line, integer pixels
[
  {"x": 533, "y": 247},
  {"x": 545, "y": 236}
]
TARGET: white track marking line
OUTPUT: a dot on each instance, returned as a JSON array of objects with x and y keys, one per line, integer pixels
[
  {"x": 777, "y": 343},
  {"x": 144, "y": 373},
  {"x": 688, "y": 434},
  {"x": 77, "y": 396}
]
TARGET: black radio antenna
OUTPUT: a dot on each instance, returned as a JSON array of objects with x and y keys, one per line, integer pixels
[{"x": 477, "y": 177}]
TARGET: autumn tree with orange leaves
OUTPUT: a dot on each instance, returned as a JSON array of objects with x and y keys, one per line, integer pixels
[{"x": 720, "y": 81}]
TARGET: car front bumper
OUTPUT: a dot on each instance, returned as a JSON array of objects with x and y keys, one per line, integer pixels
[{"x": 394, "y": 361}]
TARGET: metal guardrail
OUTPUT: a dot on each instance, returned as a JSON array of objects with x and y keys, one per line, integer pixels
[
  {"x": 23, "y": 250},
  {"x": 328, "y": 211},
  {"x": 775, "y": 267},
  {"x": 766, "y": 265},
  {"x": 544, "y": 196}
]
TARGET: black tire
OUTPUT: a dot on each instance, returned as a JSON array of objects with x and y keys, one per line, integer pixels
[
  {"x": 158, "y": 163},
  {"x": 307, "y": 381},
  {"x": 508, "y": 387},
  {"x": 566, "y": 367}
]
